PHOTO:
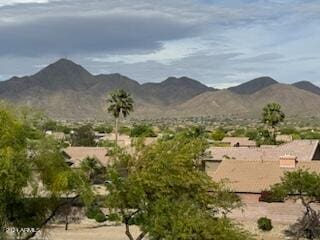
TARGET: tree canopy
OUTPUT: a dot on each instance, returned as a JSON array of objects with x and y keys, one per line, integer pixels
[
  {"x": 163, "y": 190},
  {"x": 33, "y": 175},
  {"x": 303, "y": 185}
]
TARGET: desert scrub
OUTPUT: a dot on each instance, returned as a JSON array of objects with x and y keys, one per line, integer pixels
[{"x": 264, "y": 224}]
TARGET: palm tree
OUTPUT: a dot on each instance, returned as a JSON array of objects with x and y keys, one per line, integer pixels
[
  {"x": 272, "y": 115},
  {"x": 120, "y": 103}
]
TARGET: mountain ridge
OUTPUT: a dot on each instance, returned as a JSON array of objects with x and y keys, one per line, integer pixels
[{"x": 66, "y": 90}]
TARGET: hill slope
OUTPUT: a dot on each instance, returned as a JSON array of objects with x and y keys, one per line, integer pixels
[
  {"x": 253, "y": 86},
  {"x": 308, "y": 86}
]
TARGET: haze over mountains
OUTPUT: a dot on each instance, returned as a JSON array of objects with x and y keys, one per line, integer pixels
[{"x": 65, "y": 90}]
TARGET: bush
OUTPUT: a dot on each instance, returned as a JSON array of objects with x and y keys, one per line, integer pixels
[
  {"x": 92, "y": 212},
  {"x": 269, "y": 197},
  {"x": 218, "y": 134},
  {"x": 264, "y": 224},
  {"x": 103, "y": 129},
  {"x": 124, "y": 130},
  {"x": 100, "y": 217},
  {"x": 142, "y": 130}
]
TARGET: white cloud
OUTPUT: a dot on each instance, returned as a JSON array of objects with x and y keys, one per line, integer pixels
[{"x": 14, "y": 2}]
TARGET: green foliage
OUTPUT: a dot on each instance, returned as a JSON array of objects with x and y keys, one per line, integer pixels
[
  {"x": 83, "y": 136},
  {"x": 92, "y": 211},
  {"x": 264, "y": 224},
  {"x": 310, "y": 135},
  {"x": 239, "y": 132},
  {"x": 124, "y": 130},
  {"x": 29, "y": 164},
  {"x": 163, "y": 191},
  {"x": 55, "y": 126},
  {"x": 120, "y": 102},
  {"x": 302, "y": 185},
  {"x": 106, "y": 143},
  {"x": 218, "y": 134},
  {"x": 289, "y": 131},
  {"x": 103, "y": 128},
  {"x": 94, "y": 170},
  {"x": 100, "y": 217},
  {"x": 264, "y": 137},
  {"x": 272, "y": 114},
  {"x": 142, "y": 130},
  {"x": 271, "y": 196},
  {"x": 252, "y": 134}
]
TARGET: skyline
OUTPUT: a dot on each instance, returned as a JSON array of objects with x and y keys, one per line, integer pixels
[{"x": 220, "y": 43}]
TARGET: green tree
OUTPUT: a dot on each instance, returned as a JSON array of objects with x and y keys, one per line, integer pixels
[
  {"x": 272, "y": 115},
  {"x": 33, "y": 176},
  {"x": 218, "y": 134},
  {"x": 83, "y": 136},
  {"x": 302, "y": 185},
  {"x": 120, "y": 103},
  {"x": 162, "y": 190},
  {"x": 142, "y": 130}
]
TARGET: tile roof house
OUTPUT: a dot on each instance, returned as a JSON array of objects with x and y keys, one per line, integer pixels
[
  {"x": 252, "y": 170},
  {"x": 75, "y": 155},
  {"x": 304, "y": 150},
  {"x": 256, "y": 176},
  {"x": 239, "y": 141}
]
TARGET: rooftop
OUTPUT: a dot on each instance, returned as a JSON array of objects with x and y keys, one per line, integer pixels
[
  {"x": 77, "y": 154},
  {"x": 255, "y": 176},
  {"x": 304, "y": 150}
]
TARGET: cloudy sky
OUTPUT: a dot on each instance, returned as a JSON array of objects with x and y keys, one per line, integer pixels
[{"x": 218, "y": 42}]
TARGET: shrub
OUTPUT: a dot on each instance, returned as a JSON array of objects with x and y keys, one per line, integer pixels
[
  {"x": 218, "y": 134},
  {"x": 92, "y": 212},
  {"x": 142, "y": 130},
  {"x": 269, "y": 197},
  {"x": 264, "y": 224},
  {"x": 100, "y": 217}
]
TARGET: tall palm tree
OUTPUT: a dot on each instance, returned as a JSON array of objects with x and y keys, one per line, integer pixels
[
  {"x": 272, "y": 115},
  {"x": 120, "y": 103}
]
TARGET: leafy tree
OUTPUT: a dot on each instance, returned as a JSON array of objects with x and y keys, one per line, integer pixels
[
  {"x": 83, "y": 136},
  {"x": 93, "y": 169},
  {"x": 103, "y": 129},
  {"x": 33, "y": 176},
  {"x": 218, "y": 134},
  {"x": 162, "y": 190},
  {"x": 120, "y": 103},
  {"x": 142, "y": 130},
  {"x": 272, "y": 115},
  {"x": 302, "y": 185}
]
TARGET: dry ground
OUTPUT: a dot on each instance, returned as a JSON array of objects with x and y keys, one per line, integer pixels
[{"x": 107, "y": 232}]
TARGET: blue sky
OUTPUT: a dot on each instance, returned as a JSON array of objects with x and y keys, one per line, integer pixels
[{"x": 218, "y": 42}]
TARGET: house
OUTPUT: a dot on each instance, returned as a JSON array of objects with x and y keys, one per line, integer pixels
[
  {"x": 249, "y": 171},
  {"x": 239, "y": 142},
  {"x": 253, "y": 177},
  {"x": 75, "y": 155},
  {"x": 305, "y": 150}
]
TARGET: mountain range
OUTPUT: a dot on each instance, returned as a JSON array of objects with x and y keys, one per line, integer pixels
[{"x": 65, "y": 90}]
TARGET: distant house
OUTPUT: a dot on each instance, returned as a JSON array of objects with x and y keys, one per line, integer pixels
[
  {"x": 239, "y": 142},
  {"x": 75, "y": 155}
]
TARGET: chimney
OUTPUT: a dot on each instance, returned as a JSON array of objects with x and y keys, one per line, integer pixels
[{"x": 288, "y": 161}]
